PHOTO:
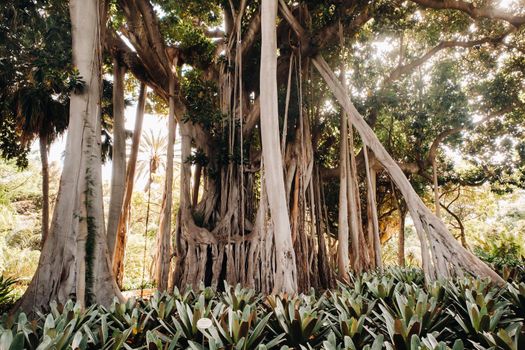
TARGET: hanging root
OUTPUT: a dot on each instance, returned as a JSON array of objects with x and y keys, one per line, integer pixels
[{"x": 442, "y": 255}]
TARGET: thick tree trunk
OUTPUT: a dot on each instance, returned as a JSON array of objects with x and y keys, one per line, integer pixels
[
  {"x": 401, "y": 234},
  {"x": 343, "y": 260},
  {"x": 441, "y": 253},
  {"x": 74, "y": 261},
  {"x": 45, "y": 187},
  {"x": 118, "y": 159},
  {"x": 119, "y": 245},
  {"x": 286, "y": 274}
]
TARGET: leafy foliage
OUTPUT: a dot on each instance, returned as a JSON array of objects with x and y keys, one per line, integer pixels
[
  {"x": 505, "y": 254},
  {"x": 374, "y": 312},
  {"x": 202, "y": 99},
  {"x": 6, "y": 289}
]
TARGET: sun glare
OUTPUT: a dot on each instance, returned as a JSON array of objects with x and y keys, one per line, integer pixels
[{"x": 507, "y": 4}]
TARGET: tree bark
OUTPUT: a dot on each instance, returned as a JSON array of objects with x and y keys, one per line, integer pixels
[
  {"x": 74, "y": 261},
  {"x": 436, "y": 187},
  {"x": 343, "y": 260},
  {"x": 362, "y": 257},
  {"x": 401, "y": 234},
  {"x": 196, "y": 184},
  {"x": 118, "y": 159},
  {"x": 286, "y": 274},
  {"x": 163, "y": 254},
  {"x": 373, "y": 220},
  {"x": 119, "y": 245},
  {"x": 401, "y": 238},
  {"x": 45, "y": 186}
]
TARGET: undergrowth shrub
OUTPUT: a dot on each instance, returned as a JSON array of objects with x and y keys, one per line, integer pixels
[
  {"x": 393, "y": 310},
  {"x": 505, "y": 254},
  {"x": 6, "y": 293}
]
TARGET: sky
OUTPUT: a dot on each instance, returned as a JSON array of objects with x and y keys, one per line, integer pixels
[{"x": 151, "y": 122}]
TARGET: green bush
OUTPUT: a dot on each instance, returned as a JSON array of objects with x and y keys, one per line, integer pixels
[
  {"x": 505, "y": 254},
  {"x": 394, "y": 310}
]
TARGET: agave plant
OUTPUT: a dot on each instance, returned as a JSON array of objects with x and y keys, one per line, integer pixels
[
  {"x": 478, "y": 308},
  {"x": 515, "y": 294},
  {"x": 381, "y": 287},
  {"x": 510, "y": 338},
  {"x": 65, "y": 327},
  {"x": 6, "y": 289},
  {"x": 349, "y": 316},
  {"x": 406, "y": 275},
  {"x": 156, "y": 340},
  {"x": 414, "y": 314},
  {"x": 431, "y": 343},
  {"x": 16, "y": 332},
  {"x": 131, "y": 320},
  {"x": 483, "y": 313},
  {"x": 237, "y": 298},
  {"x": 347, "y": 344},
  {"x": 242, "y": 330},
  {"x": 188, "y": 315},
  {"x": 299, "y": 319}
]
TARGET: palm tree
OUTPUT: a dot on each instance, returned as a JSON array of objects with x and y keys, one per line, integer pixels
[
  {"x": 152, "y": 156},
  {"x": 40, "y": 116}
]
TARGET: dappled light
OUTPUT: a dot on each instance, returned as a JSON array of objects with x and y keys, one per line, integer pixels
[{"x": 262, "y": 174}]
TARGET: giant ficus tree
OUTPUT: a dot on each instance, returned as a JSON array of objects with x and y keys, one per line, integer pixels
[
  {"x": 267, "y": 141},
  {"x": 226, "y": 234}
]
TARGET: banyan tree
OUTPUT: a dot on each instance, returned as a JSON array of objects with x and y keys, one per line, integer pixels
[{"x": 245, "y": 83}]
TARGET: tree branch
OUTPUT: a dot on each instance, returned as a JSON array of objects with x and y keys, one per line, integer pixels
[
  {"x": 118, "y": 49},
  {"x": 409, "y": 67},
  {"x": 473, "y": 11},
  {"x": 442, "y": 136}
]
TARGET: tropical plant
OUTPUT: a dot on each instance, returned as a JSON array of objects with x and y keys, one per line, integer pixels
[
  {"x": 414, "y": 313},
  {"x": 6, "y": 290},
  {"x": 516, "y": 296},
  {"x": 463, "y": 313},
  {"x": 299, "y": 319},
  {"x": 350, "y": 315}
]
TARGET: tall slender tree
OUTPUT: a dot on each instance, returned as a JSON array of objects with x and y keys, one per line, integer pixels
[{"x": 117, "y": 244}]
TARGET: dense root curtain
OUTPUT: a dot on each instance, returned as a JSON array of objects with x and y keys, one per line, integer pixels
[
  {"x": 442, "y": 255},
  {"x": 74, "y": 262}
]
